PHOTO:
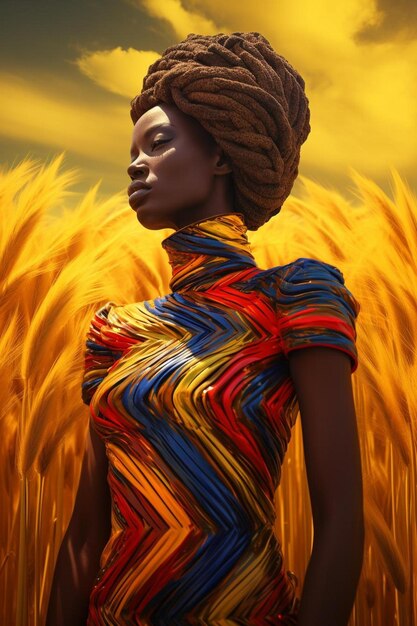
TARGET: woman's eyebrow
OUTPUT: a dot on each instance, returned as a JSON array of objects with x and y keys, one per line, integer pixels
[{"x": 151, "y": 129}]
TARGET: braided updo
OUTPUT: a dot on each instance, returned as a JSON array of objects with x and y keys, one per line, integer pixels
[{"x": 250, "y": 99}]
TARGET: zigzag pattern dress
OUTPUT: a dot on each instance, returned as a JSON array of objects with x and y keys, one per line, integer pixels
[{"x": 192, "y": 397}]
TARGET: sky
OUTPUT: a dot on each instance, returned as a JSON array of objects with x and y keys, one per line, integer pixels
[{"x": 68, "y": 70}]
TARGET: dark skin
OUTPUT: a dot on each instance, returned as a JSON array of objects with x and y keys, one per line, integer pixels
[
  {"x": 88, "y": 532},
  {"x": 321, "y": 378},
  {"x": 322, "y": 381},
  {"x": 202, "y": 189}
]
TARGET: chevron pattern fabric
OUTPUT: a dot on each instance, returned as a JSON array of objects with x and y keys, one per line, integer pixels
[{"x": 192, "y": 396}]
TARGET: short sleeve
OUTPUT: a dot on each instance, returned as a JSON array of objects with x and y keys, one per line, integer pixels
[
  {"x": 317, "y": 309},
  {"x": 101, "y": 351}
]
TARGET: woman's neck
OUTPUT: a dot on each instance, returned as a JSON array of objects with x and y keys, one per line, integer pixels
[{"x": 201, "y": 252}]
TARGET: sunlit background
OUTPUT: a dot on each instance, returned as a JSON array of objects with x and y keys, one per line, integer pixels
[{"x": 69, "y": 69}]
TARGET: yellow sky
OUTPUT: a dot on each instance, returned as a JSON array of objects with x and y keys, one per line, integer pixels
[{"x": 360, "y": 80}]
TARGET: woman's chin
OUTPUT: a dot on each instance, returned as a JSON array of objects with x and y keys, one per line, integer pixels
[{"x": 150, "y": 219}]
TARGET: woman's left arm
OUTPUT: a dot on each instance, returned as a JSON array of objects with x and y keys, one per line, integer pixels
[{"x": 322, "y": 381}]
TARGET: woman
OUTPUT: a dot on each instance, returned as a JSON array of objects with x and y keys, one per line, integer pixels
[{"x": 193, "y": 395}]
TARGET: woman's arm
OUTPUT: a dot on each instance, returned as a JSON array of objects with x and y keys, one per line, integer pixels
[
  {"x": 78, "y": 560},
  {"x": 322, "y": 380}
]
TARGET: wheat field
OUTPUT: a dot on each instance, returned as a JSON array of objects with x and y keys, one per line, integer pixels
[{"x": 58, "y": 266}]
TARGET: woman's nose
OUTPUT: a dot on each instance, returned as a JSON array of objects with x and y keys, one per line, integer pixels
[{"x": 136, "y": 168}]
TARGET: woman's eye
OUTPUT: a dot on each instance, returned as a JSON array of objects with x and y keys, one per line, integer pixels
[
  {"x": 157, "y": 142},
  {"x": 154, "y": 143}
]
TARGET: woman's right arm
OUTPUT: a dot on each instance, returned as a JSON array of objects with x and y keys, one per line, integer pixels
[{"x": 78, "y": 559}]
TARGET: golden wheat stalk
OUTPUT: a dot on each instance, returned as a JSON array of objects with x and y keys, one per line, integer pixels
[
  {"x": 57, "y": 269},
  {"x": 393, "y": 559}
]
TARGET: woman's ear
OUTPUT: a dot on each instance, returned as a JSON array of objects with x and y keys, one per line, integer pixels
[{"x": 222, "y": 165}]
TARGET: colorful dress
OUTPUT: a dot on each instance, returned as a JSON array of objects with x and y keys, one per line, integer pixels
[{"x": 192, "y": 397}]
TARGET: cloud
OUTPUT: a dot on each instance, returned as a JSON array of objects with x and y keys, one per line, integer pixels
[
  {"x": 393, "y": 21},
  {"x": 363, "y": 98},
  {"x": 117, "y": 70},
  {"x": 182, "y": 20},
  {"x": 363, "y": 101},
  {"x": 363, "y": 105},
  {"x": 50, "y": 112}
]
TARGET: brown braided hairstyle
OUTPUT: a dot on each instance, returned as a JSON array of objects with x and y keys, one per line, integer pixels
[{"x": 252, "y": 102}]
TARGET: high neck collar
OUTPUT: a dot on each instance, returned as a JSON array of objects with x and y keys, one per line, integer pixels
[{"x": 202, "y": 252}]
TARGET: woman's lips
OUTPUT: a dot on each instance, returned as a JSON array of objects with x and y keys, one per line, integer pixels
[{"x": 136, "y": 196}]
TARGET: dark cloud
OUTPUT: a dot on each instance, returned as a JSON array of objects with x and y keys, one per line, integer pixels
[
  {"x": 398, "y": 22},
  {"x": 48, "y": 33}
]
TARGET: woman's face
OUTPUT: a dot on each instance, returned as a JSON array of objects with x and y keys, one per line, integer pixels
[{"x": 179, "y": 161}]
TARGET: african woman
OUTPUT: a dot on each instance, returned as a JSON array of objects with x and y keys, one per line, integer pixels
[{"x": 193, "y": 394}]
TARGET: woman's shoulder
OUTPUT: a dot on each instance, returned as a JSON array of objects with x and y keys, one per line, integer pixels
[
  {"x": 114, "y": 323},
  {"x": 306, "y": 279},
  {"x": 306, "y": 267},
  {"x": 116, "y": 315},
  {"x": 315, "y": 307}
]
